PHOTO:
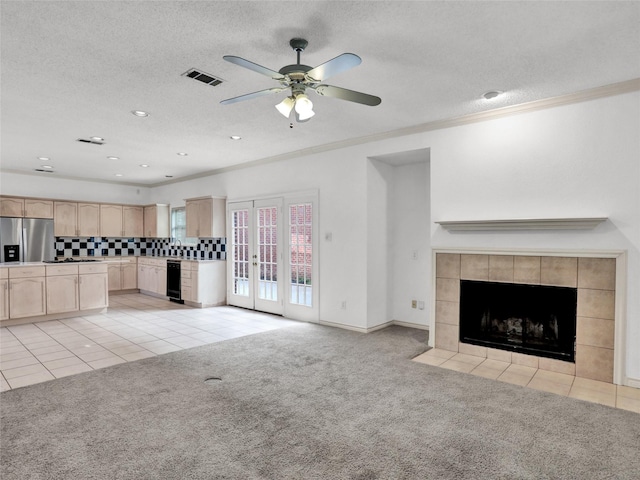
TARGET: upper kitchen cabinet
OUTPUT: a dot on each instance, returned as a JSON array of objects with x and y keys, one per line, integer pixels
[
  {"x": 206, "y": 217},
  {"x": 76, "y": 219},
  {"x": 26, "y": 207},
  {"x": 65, "y": 219},
  {"x": 111, "y": 221},
  {"x": 11, "y": 207},
  {"x": 88, "y": 219},
  {"x": 133, "y": 221},
  {"x": 157, "y": 221},
  {"x": 36, "y": 208}
]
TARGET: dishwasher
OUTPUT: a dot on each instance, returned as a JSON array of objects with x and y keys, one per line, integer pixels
[{"x": 173, "y": 281}]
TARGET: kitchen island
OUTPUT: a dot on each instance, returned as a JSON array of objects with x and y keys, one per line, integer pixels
[{"x": 38, "y": 291}]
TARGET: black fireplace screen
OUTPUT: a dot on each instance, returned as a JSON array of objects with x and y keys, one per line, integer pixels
[{"x": 532, "y": 319}]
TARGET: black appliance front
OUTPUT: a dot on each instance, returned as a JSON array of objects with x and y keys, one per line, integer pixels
[{"x": 173, "y": 281}]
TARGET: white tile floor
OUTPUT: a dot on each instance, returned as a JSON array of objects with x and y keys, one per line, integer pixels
[{"x": 135, "y": 327}]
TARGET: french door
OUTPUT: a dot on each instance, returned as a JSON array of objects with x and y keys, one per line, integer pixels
[
  {"x": 272, "y": 256},
  {"x": 256, "y": 279}
]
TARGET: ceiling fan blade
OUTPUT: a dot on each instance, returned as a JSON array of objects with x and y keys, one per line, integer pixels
[
  {"x": 249, "y": 96},
  {"x": 334, "y": 66},
  {"x": 253, "y": 66},
  {"x": 350, "y": 95}
]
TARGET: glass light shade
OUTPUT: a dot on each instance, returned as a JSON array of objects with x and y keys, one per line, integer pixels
[
  {"x": 306, "y": 115},
  {"x": 285, "y": 106},
  {"x": 303, "y": 104}
]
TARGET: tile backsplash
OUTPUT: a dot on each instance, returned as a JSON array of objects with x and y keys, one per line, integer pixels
[{"x": 205, "y": 249}]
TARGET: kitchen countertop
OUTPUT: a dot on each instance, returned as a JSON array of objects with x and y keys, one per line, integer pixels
[{"x": 121, "y": 259}]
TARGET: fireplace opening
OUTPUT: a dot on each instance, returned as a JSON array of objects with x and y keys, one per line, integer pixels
[{"x": 531, "y": 319}]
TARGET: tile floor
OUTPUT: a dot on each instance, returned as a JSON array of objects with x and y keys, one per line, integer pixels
[
  {"x": 136, "y": 326},
  {"x": 616, "y": 396}
]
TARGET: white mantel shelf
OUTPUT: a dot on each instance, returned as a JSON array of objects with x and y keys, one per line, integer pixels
[{"x": 522, "y": 224}]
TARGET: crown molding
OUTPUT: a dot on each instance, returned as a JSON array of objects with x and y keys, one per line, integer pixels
[{"x": 575, "y": 223}]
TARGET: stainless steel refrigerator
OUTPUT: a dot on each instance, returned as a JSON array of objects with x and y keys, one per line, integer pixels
[{"x": 26, "y": 240}]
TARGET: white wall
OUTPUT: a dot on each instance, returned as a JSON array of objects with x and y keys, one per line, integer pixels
[
  {"x": 66, "y": 189},
  {"x": 579, "y": 160},
  {"x": 410, "y": 250}
]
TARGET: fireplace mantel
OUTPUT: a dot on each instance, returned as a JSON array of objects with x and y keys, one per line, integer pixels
[{"x": 574, "y": 223}]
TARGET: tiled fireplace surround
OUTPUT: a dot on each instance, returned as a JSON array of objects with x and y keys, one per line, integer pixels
[{"x": 595, "y": 279}]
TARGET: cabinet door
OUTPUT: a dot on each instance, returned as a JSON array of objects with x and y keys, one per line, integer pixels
[
  {"x": 115, "y": 278},
  {"x": 88, "y": 220},
  {"x": 62, "y": 294},
  {"x": 150, "y": 221},
  {"x": 128, "y": 276},
  {"x": 192, "y": 218},
  {"x": 161, "y": 280},
  {"x": 205, "y": 218},
  {"x": 133, "y": 221},
  {"x": 38, "y": 208},
  {"x": 94, "y": 291},
  {"x": 27, "y": 297},
  {"x": 111, "y": 221},
  {"x": 143, "y": 277},
  {"x": 65, "y": 223},
  {"x": 4, "y": 299},
  {"x": 11, "y": 207}
]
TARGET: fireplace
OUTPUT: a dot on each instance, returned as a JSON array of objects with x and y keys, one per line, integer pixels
[{"x": 531, "y": 319}]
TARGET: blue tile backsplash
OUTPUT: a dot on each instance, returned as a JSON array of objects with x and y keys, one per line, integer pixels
[{"x": 205, "y": 249}]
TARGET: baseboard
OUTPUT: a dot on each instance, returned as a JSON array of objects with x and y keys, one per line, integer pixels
[
  {"x": 633, "y": 382},
  {"x": 410, "y": 325},
  {"x": 124, "y": 292}
]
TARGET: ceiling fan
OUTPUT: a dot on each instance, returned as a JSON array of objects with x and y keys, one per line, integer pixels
[{"x": 299, "y": 78}]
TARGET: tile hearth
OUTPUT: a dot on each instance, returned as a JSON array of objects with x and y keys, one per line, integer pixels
[{"x": 617, "y": 396}]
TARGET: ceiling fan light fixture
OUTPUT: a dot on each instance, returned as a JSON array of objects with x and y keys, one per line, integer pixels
[
  {"x": 305, "y": 115},
  {"x": 303, "y": 105},
  {"x": 285, "y": 106}
]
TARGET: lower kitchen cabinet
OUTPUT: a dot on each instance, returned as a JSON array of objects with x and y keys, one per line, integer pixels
[
  {"x": 4, "y": 293},
  {"x": 27, "y": 292},
  {"x": 62, "y": 289},
  {"x": 203, "y": 284},
  {"x": 152, "y": 275},
  {"x": 93, "y": 286}
]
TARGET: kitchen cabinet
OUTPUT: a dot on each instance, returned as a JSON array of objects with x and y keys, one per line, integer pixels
[
  {"x": 204, "y": 284},
  {"x": 93, "y": 286},
  {"x": 27, "y": 292},
  {"x": 26, "y": 207},
  {"x": 4, "y": 293},
  {"x": 11, "y": 207},
  {"x": 76, "y": 219},
  {"x": 133, "y": 221},
  {"x": 152, "y": 275},
  {"x": 88, "y": 220},
  {"x": 36, "y": 208},
  {"x": 123, "y": 275},
  {"x": 62, "y": 288},
  {"x": 111, "y": 221},
  {"x": 157, "y": 221},
  {"x": 205, "y": 217},
  {"x": 65, "y": 219}
]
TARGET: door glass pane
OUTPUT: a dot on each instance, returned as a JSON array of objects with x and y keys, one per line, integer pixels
[
  {"x": 301, "y": 249},
  {"x": 240, "y": 254},
  {"x": 267, "y": 221}
]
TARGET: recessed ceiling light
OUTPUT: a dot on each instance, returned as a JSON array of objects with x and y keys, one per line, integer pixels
[
  {"x": 113, "y": 158},
  {"x": 182, "y": 154},
  {"x": 97, "y": 139},
  {"x": 144, "y": 165},
  {"x": 118, "y": 175},
  {"x": 44, "y": 159},
  {"x": 139, "y": 113},
  {"x": 491, "y": 94},
  {"x": 48, "y": 167},
  {"x": 235, "y": 137}
]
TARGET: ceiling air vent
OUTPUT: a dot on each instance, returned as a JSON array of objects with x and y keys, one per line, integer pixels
[
  {"x": 202, "y": 77},
  {"x": 93, "y": 142}
]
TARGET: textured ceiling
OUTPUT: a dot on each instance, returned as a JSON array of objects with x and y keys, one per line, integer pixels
[{"x": 73, "y": 70}]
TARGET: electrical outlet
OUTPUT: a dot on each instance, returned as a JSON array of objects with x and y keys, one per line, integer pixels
[
  {"x": 420, "y": 305},
  {"x": 343, "y": 305},
  {"x": 414, "y": 303}
]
